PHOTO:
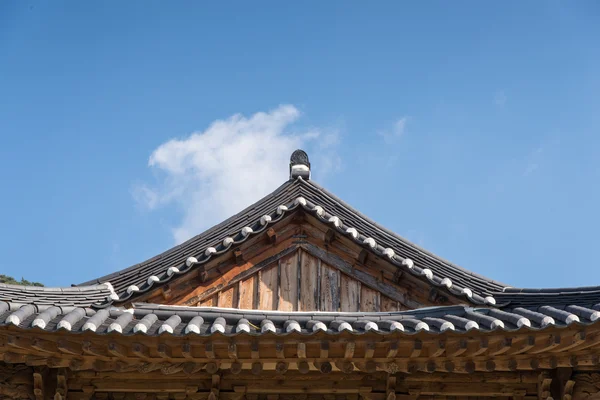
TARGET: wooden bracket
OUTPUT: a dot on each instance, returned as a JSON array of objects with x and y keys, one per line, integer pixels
[
  {"x": 391, "y": 388},
  {"x": 202, "y": 274},
  {"x": 239, "y": 256},
  {"x": 272, "y": 235},
  {"x": 435, "y": 296},
  {"x": 561, "y": 383},
  {"x": 329, "y": 236},
  {"x": 362, "y": 256},
  {"x": 215, "y": 388},
  {"x": 166, "y": 292},
  {"x": 397, "y": 275},
  {"x": 61, "y": 385},
  {"x": 38, "y": 386}
]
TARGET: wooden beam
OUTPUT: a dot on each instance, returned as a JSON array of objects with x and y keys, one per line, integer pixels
[
  {"x": 416, "y": 349},
  {"x": 369, "y": 349},
  {"x": 362, "y": 256},
  {"x": 301, "y": 350},
  {"x": 455, "y": 348},
  {"x": 164, "y": 350},
  {"x": 186, "y": 350},
  {"x": 238, "y": 256},
  {"x": 329, "y": 236},
  {"x": 140, "y": 350},
  {"x": 364, "y": 278},
  {"x": 324, "y": 367},
  {"x": 349, "y": 350},
  {"x": 38, "y": 386},
  {"x": 232, "y": 351},
  {"x": 344, "y": 366},
  {"x": 281, "y": 367},
  {"x": 391, "y": 388},
  {"x": 236, "y": 368},
  {"x": 272, "y": 235},
  {"x": 117, "y": 349},
  {"x": 209, "y": 350},
  {"x": 61, "y": 385}
]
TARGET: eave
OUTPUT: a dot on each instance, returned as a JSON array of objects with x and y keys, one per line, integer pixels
[{"x": 433, "y": 339}]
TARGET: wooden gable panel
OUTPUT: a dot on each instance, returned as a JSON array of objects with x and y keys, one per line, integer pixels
[
  {"x": 369, "y": 299},
  {"x": 288, "y": 290},
  {"x": 304, "y": 269},
  {"x": 301, "y": 282},
  {"x": 247, "y": 292},
  {"x": 350, "y": 294},
  {"x": 267, "y": 288},
  {"x": 228, "y": 298},
  {"x": 309, "y": 282}
]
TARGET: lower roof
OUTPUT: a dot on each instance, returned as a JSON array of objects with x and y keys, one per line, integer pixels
[{"x": 153, "y": 319}]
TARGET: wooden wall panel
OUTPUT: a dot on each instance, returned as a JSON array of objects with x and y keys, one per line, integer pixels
[
  {"x": 369, "y": 299},
  {"x": 267, "y": 288},
  {"x": 330, "y": 288},
  {"x": 309, "y": 282},
  {"x": 350, "y": 294},
  {"x": 288, "y": 278},
  {"x": 388, "y": 304},
  {"x": 209, "y": 302},
  {"x": 302, "y": 282},
  {"x": 229, "y": 298},
  {"x": 247, "y": 292}
]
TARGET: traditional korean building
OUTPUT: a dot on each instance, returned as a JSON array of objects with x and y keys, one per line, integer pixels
[{"x": 299, "y": 296}]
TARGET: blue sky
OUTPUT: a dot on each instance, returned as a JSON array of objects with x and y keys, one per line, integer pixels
[{"x": 472, "y": 130}]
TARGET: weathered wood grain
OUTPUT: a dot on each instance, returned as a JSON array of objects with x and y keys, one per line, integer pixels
[
  {"x": 369, "y": 299},
  {"x": 330, "y": 288},
  {"x": 247, "y": 293},
  {"x": 388, "y": 304},
  {"x": 288, "y": 291},
  {"x": 309, "y": 293},
  {"x": 267, "y": 288},
  {"x": 209, "y": 302},
  {"x": 350, "y": 294},
  {"x": 228, "y": 297}
]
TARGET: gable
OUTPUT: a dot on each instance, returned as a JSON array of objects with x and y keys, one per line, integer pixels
[
  {"x": 301, "y": 266},
  {"x": 200, "y": 254},
  {"x": 298, "y": 282}
]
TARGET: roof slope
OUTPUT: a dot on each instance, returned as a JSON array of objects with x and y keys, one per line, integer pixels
[
  {"x": 80, "y": 296},
  {"x": 312, "y": 198}
]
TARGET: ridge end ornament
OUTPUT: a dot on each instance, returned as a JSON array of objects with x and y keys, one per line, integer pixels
[{"x": 299, "y": 165}]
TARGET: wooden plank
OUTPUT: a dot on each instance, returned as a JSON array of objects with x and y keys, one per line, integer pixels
[
  {"x": 330, "y": 288},
  {"x": 209, "y": 302},
  {"x": 388, "y": 304},
  {"x": 234, "y": 275},
  {"x": 288, "y": 291},
  {"x": 350, "y": 294},
  {"x": 247, "y": 293},
  {"x": 228, "y": 297},
  {"x": 267, "y": 288},
  {"x": 369, "y": 299},
  {"x": 309, "y": 293},
  {"x": 366, "y": 279}
]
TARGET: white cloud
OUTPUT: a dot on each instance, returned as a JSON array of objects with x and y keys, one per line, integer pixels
[
  {"x": 396, "y": 131},
  {"x": 216, "y": 173}
]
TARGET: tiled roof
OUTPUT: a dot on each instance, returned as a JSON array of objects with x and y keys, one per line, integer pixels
[
  {"x": 518, "y": 297},
  {"x": 150, "y": 319},
  {"x": 79, "y": 296},
  {"x": 307, "y": 195}
]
